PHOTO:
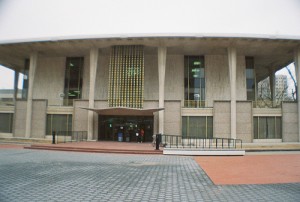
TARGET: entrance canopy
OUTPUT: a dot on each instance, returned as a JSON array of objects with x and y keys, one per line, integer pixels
[{"x": 123, "y": 111}]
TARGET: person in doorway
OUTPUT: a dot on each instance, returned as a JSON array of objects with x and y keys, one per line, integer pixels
[
  {"x": 142, "y": 132},
  {"x": 137, "y": 137}
]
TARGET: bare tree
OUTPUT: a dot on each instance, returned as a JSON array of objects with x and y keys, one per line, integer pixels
[{"x": 294, "y": 93}]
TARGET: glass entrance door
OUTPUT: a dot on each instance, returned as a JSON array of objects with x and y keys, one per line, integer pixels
[{"x": 124, "y": 128}]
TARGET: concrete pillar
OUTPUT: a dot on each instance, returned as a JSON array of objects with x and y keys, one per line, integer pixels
[
  {"x": 93, "y": 72},
  {"x": 232, "y": 76},
  {"x": 32, "y": 68},
  {"x": 162, "y": 56},
  {"x": 16, "y": 81},
  {"x": 297, "y": 68},
  {"x": 272, "y": 86}
]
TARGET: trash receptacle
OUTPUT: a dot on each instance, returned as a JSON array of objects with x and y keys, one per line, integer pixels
[{"x": 120, "y": 137}]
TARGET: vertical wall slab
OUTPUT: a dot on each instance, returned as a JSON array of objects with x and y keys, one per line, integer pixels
[
  {"x": 86, "y": 78},
  {"x": 50, "y": 71},
  {"x": 39, "y": 115},
  {"x": 80, "y": 116},
  {"x": 172, "y": 118},
  {"x": 216, "y": 78},
  {"x": 102, "y": 79},
  {"x": 20, "y": 118},
  {"x": 221, "y": 122},
  {"x": 244, "y": 121},
  {"x": 290, "y": 122},
  {"x": 241, "y": 87},
  {"x": 174, "y": 84},
  {"x": 151, "y": 77}
]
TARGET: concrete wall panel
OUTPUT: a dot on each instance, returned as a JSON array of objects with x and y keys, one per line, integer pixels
[
  {"x": 241, "y": 91},
  {"x": 217, "y": 78},
  {"x": 80, "y": 116},
  {"x": 290, "y": 122},
  {"x": 102, "y": 79},
  {"x": 244, "y": 123},
  {"x": 39, "y": 116},
  {"x": 20, "y": 119},
  {"x": 174, "y": 83},
  {"x": 172, "y": 118},
  {"x": 49, "y": 79},
  {"x": 151, "y": 78},
  {"x": 221, "y": 120},
  {"x": 86, "y": 77}
]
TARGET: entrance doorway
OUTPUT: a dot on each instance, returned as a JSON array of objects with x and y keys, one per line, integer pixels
[{"x": 124, "y": 128}]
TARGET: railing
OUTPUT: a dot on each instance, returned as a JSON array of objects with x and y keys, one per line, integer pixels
[
  {"x": 194, "y": 103},
  {"x": 266, "y": 104},
  {"x": 171, "y": 141},
  {"x": 70, "y": 136}
]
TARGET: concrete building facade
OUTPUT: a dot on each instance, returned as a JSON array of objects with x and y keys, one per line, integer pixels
[
  {"x": 110, "y": 85},
  {"x": 213, "y": 101}
]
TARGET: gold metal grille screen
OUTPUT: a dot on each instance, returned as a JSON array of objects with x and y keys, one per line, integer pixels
[{"x": 126, "y": 77}]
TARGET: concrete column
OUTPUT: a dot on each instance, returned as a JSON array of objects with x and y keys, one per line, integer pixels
[
  {"x": 93, "y": 72},
  {"x": 297, "y": 68},
  {"x": 272, "y": 86},
  {"x": 32, "y": 68},
  {"x": 16, "y": 81},
  {"x": 162, "y": 56},
  {"x": 232, "y": 76}
]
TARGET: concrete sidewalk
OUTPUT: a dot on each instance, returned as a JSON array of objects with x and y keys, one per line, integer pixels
[
  {"x": 259, "y": 168},
  {"x": 31, "y": 175}
]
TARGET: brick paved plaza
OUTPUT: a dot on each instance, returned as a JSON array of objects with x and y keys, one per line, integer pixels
[{"x": 29, "y": 175}]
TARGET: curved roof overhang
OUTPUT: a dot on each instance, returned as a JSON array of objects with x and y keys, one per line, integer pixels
[{"x": 123, "y": 111}]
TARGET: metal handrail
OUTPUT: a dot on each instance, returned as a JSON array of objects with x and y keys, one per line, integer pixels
[
  {"x": 171, "y": 141},
  {"x": 70, "y": 136}
]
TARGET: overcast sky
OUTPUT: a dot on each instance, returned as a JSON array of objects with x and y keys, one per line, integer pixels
[{"x": 25, "y": 20}]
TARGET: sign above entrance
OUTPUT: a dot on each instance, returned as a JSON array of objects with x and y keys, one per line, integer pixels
[{"x": 124, "y": 111}]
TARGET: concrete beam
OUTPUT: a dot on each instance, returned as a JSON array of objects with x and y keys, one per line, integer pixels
[
  {"x": 93, "y": 71},
  {"x": 32, "y": 68}
]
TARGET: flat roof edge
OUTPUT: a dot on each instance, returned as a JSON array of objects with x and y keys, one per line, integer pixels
[{"x": 152, "y": 35}]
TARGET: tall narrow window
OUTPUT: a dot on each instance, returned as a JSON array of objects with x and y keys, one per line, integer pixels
[
  {"x": 267, "y": 127},
  {"x": 197, "y": 126},
  {"x": 194, "y": 82},
  {"x": 250, "y": 78},
  {"x": 73, "y": 79},
  {"x": 126, "y": 77},
  {"x": 58, "y": 122},
  {"x": 6, "y": 122}
]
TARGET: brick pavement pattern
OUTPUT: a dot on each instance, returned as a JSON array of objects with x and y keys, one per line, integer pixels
[{"x": 29, "y": 175}]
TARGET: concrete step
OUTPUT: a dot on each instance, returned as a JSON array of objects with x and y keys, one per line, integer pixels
[
  {"x": 24, "y": 140},
  {"x": 271, "y": 146},
  {"x": 93, "y": 150},
  {"x": 203, "y": 152}
]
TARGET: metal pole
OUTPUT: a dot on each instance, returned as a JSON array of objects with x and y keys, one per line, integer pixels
[
  {"x": 53, "y": 137},
  {"x": 157, "y": 141}
]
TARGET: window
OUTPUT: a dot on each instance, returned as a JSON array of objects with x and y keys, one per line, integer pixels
[
  {"x": 194, "y": 81},
  {"x": 73, "y": 79},
  {"x": 58, "y": 122},
  {"x": 197, "y": 126},
  {"x": 126, "y": 77},
  {"x": 267, "y": 127},
  {"x": 250, "y": 78},
  {"x": 6, "y": 122}
]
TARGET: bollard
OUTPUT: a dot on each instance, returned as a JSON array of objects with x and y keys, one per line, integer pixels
[
  {"x": 53, "y": 137},
  {"x": 158, "y": 139}
]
